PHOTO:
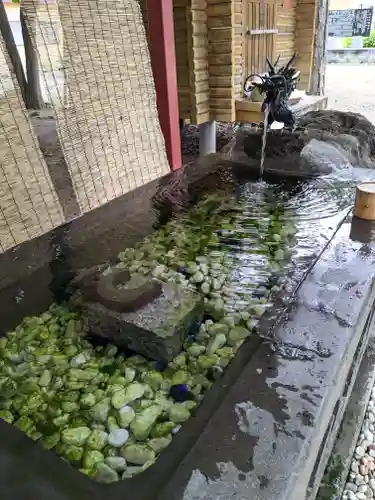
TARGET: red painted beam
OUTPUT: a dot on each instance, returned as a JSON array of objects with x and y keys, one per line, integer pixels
[{"x": 163, "y": 61}]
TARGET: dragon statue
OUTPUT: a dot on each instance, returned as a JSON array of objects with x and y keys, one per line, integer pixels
[{"x": 277, "y": 85}]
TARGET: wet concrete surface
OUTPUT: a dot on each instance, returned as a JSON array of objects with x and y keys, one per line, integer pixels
[
  {"x": 258, "y": 432},
  {"x": 261, "y": 435},
  {"x": 264, "y": 440}
]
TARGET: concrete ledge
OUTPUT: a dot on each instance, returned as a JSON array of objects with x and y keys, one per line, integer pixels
[{"x": 264, "y": 442}]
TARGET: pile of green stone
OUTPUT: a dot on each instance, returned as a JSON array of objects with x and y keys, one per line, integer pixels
[{"x": 111, "y": 415}]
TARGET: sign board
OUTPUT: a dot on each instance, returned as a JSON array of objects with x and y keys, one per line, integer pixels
[{"x": 350, "y": 22}]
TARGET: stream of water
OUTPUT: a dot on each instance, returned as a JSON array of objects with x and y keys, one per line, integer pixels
[{"x": 264, "y": 140}]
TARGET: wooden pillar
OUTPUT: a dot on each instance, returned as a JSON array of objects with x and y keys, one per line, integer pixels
[
  {"x": 305, "y": 39},
  {"x": 163, "y": 61}
]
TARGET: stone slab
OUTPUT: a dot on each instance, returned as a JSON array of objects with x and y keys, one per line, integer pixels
[{"x": 157, "y": 329}]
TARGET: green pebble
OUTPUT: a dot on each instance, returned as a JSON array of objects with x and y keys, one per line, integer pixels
[
  {"x": 92, "y": 458},
  {"x": 180, "y": 377},
  {"x": 191, "y": 268},
  {"x": 118, "y": 399},
  {"x": 236, "y": 334},
  {"x": 87, "y": 400},
  {"x": 45, "y": 378},
  {"x": 51, "y": 441},
  {"x": 99, "y": 412},
  {"x": 196, "y": 350},
  {"x": 252, "y": 323},
  {"x": 77, "y": 436},
  {"x": 125, "y": 416},
  {"x": 143, "y": 422},
  {"x": 206, "y": 362},
  {"x": 69, "y": 407},
  {"x": 153, "y": 378},
  {"x": 162, "y": 429},
  {"x": 97, "y": 440},
  {"x": 116, "y": 463},
  {"x": 73, "y": 453},
  {"x": 216, "y": 343},
  {"x": 158, "y": 444},
  {"x": 7, "y": 416},
  {"x": 179, "y": 360},
  {"x": 197, "y": 278},
  {"x": 105, "y": 474},
  {"x": 137, "y": 454},
  {"x": 179, "y": 413},
  {"x": 218, "y": 328}
]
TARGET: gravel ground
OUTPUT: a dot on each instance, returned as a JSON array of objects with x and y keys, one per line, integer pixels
[
  {"x": 361, "y": 481},
  {"x": 351, "y": 88}
]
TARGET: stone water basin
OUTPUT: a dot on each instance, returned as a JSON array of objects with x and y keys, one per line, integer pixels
[{"x": 110, "y": 414}]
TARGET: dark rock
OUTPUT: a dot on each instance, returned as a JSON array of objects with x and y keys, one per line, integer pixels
[
  {"x": 323, "y": 140},
  {"x": 181, "y": 393},
  {"x": 155, "y": 330},
  {"x": 341, "y": 122}
]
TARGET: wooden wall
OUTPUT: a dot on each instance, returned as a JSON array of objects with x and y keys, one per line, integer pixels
[
  {"x": 286, "y": 24},
  {"x": 211, "y": 49},
  {"x": 284, "y": 41},
  {"x": 182, "y": 33},
  {"x": 198, "y": 58},
  {"x": 305, "y": 34},
  {"x": 221, "y": 58}
]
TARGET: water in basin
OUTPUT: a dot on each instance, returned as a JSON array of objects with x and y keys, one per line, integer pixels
[{"x": 110, "y": 413}]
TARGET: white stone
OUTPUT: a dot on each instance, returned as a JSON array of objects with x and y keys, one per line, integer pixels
[
  {"x": 354, "y": 466},
  {"x": 372, "y": 453},
  {"x": 351, "y": 495},
  {"x": 360, "y": 496},
  {"x": 351, "y": 487},
  {"x": 371, "y": 483},
  {"x": 118, "y": 437},
  {"x": 371, "y": 416},
  {"x": 369, "y": 436},
  {"x": 363, "y": 488},
  {"x": 360, "y": 451}
]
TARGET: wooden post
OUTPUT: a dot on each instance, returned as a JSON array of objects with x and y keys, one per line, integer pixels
[
  {"x": 365, "y": 201},
  {"x": 163, "y": 61}
]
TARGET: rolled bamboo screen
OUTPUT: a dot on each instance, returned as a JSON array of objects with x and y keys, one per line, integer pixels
[
  {"x": 29, "y": 204},
  {"x": 106, "y": 114},
  {"x": 100, "y": 134}
]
